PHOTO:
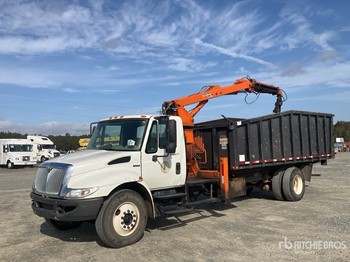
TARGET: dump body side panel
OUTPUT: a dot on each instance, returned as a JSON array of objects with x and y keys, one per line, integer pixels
[{"x": 291, "y": 137}]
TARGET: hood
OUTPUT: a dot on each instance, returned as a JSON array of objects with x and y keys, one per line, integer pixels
[{"x": 89, "y": 160}]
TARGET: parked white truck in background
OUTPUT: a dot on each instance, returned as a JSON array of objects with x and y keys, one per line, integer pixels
[
  {"x": 17, "y": 152},
  {"x": 43, "y": 147}
]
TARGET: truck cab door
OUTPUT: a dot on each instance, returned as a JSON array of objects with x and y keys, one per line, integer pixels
[{"x": 161, "y": 168}]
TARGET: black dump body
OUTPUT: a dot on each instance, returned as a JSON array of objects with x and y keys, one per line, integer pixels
[{"x": 287, "y": 138}]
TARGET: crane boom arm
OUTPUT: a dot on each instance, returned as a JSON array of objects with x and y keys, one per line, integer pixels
[{"x": 177, "y": 106}]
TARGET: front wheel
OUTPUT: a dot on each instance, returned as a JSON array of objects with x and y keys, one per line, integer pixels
[
  {"x": 122, "y": 219},
  {"x": 64, "y": 225},
  {"x": 9, "y": 164}
]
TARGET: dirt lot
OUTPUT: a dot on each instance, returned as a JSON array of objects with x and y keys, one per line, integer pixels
[{"x": 256, "y": 228}]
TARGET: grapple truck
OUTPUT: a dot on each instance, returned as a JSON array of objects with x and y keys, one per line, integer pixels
[{"x": 142, "y": 166}]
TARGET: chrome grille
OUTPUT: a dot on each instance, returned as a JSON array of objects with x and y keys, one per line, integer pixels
[{"x": 49, "y": 180}]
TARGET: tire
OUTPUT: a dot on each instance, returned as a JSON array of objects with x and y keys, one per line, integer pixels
[
  {"x": 249, "y": 191},
  {"x": 277, "y": 185},
  {"x": 42, "y": 159},
  {"x": 9, "y": 164},
  {"x": 64, "y": 225},
  {"x": 293, "y": 184},
  {"x": 122, "y": 219}
]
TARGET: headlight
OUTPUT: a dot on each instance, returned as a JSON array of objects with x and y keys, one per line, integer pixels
[{"x": 81, "y": 192}]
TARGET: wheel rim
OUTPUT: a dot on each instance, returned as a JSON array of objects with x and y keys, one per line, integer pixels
[
  {"x": 126, "y": 219},
  {"x": 9, "y": 165},
  {"x": 298, "y": 185}
]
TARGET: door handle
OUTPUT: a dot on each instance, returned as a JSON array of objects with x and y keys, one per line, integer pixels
[{"x": 178, "y": 168}]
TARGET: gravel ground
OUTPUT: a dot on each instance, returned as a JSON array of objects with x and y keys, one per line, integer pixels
[{"x": 317, "y": 228}]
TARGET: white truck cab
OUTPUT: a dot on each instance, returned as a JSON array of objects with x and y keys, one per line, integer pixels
[
  {"x": 129, "y": 161},
  {"x": 17, "y": 152},
  {"x": 43, "y": 147}
]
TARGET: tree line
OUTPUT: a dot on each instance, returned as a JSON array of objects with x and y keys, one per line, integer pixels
[
  {"x": 342, "y": 129},
  {"x": 63, "y": 142}
]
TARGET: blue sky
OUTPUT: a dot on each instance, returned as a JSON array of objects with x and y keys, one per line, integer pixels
[{"x": 64, "y": 64}]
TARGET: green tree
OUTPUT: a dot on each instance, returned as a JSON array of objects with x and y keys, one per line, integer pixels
[
  {"x": 342, "y": 129},
  {"x": 11, "y": 135}
]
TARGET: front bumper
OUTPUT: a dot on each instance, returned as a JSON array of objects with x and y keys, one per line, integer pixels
[{"x": 66, "y": 209}]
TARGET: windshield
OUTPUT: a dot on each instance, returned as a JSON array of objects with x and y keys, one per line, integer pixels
[
  {"x": 48, "y": 146},
  {"x": 119, "y": 135},
  {"x": 21, "y": 148}
]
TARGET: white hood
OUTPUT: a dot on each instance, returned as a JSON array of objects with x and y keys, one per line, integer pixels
[{"x": 89, "y": 160}]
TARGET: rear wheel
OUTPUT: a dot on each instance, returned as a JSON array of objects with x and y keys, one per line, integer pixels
[
  {"x": 64, "y": 225},
  {"x": 293, "y": 184},
  {"x": 122, "y": 219},
  {"x": 43, "y": 159},
  {"x": 277, "y": 185}
]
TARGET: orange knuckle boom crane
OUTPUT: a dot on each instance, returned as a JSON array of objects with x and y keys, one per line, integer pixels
[{"x": 177, "y": 106}]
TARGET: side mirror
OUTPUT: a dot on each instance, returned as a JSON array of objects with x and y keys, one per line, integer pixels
[{"x": 172, "y": 137}]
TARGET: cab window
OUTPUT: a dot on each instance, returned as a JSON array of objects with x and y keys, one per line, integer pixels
[{"x": 152, "y": 142}]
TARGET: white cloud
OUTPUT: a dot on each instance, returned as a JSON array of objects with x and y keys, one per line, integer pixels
[
  {"x": 41, "y": 27},
  {"x": 337, "y": 97},
  {"x": 233, "y": 54},
  {"x": 71, "y": 90},
  {"x": 26, "y": 45},
  {"x": 7, "y": 125},
  {"x": 47, "y": 128},
  {"x": 315, "y": 76},
  {"x": 176, "y": 36},
  {"x": 106, "y": 91},
  {"x": 235, "y": 28},
  {"x": 29, "y": 77},
  {"x": 299, "y": 32},
  {"x": 188, "y": 65},
  {"x": 152, "y": 29},
  {"x": 113, "y": 68},
  {"x": 86, "y": 57},
  {"x": 56, "y": 128}
]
